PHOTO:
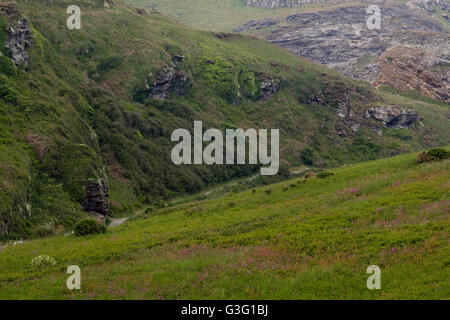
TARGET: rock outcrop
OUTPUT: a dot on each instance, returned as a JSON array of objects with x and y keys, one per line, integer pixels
[
  {"x": 108, "y": 3},
  {"x": 272, "y": 4},
  {"x": 169, "y": 80},
  {"x": 19, "y": 39},
  {"x": 393, "y": 117},
  {"x": 95, "y": 200},
  {"x": 339, "y": 38},
  {"x": 256, "y": 25},
  {"x": 9, "y": 9},
  {"x": 407, "y": 68},
  {"x": 270, "y": 86}
]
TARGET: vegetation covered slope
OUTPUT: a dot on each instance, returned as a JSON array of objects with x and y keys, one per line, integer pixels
[
  {"x": 305, "y": 238},
  {"x": 84, "y": 111}
]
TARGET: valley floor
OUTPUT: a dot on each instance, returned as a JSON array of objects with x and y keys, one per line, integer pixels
[{"x": 301, "y": 239}]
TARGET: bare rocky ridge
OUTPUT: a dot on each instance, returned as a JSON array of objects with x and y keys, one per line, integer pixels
[{"x": 340, "y": 39}]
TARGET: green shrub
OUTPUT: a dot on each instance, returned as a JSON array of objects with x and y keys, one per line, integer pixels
[
  {"x": 325, "y": 174},
  {"x": 3, "y": 36},
  {"x": 7, "y": 66},
  {"x": 89, "y": 226},
  {"x": 108, "y": 63},
  {"x": 307, "y": 156},
  {"x": 219, "y": 75},
  {"x": 8, "y": 92},
  {"x": 436, "y": 154}
]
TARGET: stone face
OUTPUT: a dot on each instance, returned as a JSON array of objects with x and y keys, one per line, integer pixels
[
  {"x": 19, "y": 39},
  {"x": 393, "y": 117},
  {"x": 95, "y": 200},
  {"x": 339, "y": 38}
]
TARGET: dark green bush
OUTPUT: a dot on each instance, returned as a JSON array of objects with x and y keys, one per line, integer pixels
[
  {"x": 89, "y": 226},
  {"x": 8, "y": 92},
  {"x": 219, "y": 74},
  {"x": 3, "y": 36},
  {"x": 307, "y": 156},
  {"x": 7, "y": 66},
  {"x": 325, "y": 174},
  {"x": 436, "y": 154},
  {"x": 108, "y": 63},
  {"x": 439, "y": 154}
]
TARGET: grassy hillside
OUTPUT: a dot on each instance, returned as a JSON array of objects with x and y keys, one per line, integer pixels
[
  {"x": 81, "y": 112},
  {"x": 304, "y": 238},
  {"x": 215, "y": 15}
]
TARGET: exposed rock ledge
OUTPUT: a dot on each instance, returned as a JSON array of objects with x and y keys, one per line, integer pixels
[
  {"x": 393, "y": 117},
  {"x": 19, "y": 39},
  {"x": 272, "y": 4},
  {"x": 95, "y": 201},
  {"x": 270, "y": 86}
]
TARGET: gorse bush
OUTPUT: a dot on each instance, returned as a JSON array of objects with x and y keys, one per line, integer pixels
[
  {"x": 219, "y": 75},
  {"x": 108, "y": 63},
  {"x": 89, "y": 226},
  {"x": 7, "y": 67},
  {"x": 325, "y": 174},
  {"x": 437, "y": 154}
]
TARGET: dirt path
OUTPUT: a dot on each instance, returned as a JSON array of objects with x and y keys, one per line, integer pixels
[{"x": 117, "y": 222}]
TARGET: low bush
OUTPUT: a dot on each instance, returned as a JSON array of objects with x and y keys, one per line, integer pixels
[
  {"x": 437, "y": 154},
  {"x": 7, "y": 66},
  {"x": 89, "y": 226},
  {"x": 324, "y": 175}
]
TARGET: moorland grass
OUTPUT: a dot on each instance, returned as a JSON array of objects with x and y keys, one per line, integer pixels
[{"x": 306, "y": 239}]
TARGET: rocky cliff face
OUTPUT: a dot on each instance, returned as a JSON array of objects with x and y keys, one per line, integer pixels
[
  {"x": 340, "y": 39},
  {"x": 393, "y": 117},
  {"x": 19, "y": 40},
  {"x": 19, "y": 35},
  {"x": 96, "y": 195},
  {"x": 169, "y": 80},
  {"x": 269, "y": 86},
  {"x": 407, "y": 68}
]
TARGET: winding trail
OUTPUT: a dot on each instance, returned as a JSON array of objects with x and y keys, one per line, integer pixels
[{"x": 117, "y": 222}]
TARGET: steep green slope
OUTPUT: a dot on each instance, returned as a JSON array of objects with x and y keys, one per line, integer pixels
[
  {"x": 82, "y": 113},
  {"x": 304, "y": 238}
]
